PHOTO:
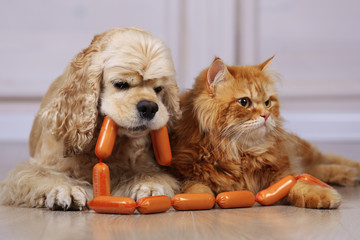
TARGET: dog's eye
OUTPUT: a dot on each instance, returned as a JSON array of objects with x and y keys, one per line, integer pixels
[
  {"x": 158, "y": 89},
  {"x": 121, "y": 85}
]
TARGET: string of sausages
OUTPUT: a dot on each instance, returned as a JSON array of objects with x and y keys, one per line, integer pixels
[
  {"x": 103, "y": 202},
  {"x": 198, "y": 201}
]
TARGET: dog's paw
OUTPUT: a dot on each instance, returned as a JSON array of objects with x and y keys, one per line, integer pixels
[
  {"x": 66, "y": 198},
  {"x": 314, "y": 196},
  {"x": 147, "y": 189}
]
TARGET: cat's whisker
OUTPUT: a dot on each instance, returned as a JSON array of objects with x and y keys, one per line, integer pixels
[
  {"x": 235, "y": 142},
  {"x": 247, "y": 136},
  {"x": 229, "y": 133},
  {"x": 224, "y": 136},
  {"x": 225, "y": 130}
]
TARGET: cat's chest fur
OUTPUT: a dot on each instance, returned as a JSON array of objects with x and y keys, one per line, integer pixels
[{"x": 230, "y": 168}]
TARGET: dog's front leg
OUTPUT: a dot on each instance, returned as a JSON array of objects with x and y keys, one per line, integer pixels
[{"x": 31, "y": 185}]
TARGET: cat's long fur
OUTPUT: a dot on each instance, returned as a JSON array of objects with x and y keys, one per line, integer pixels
[{"x": 220, "y": 145}]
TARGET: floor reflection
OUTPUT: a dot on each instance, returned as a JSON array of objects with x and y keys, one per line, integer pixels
[{"x": 274, "y": 222}]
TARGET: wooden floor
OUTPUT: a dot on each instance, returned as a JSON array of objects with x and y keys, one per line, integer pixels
[{"x": 258, "y": 222}]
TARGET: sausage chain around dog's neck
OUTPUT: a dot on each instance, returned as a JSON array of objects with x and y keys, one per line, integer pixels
[{"x": 107, "y": 137}]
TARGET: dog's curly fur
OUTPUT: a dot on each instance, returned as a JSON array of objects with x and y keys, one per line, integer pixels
[{"x": 58, "y": 174}]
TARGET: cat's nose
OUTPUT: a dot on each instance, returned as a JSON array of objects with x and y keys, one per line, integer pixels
[
  {"x": 265, "y": 115},
  {"x": 147, "y": 109}
]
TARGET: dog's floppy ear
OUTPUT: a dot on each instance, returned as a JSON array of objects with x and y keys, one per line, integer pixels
[
  {"x": 71, "y": 115},
  {"x": 172, "y": 102}
]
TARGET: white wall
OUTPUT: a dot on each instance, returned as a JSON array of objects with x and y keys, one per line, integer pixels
[
  {"x": 317, "y": 54},
  {"x": 315, "y": 43}
]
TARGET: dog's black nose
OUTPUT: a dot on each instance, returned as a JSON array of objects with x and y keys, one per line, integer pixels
[{"x": 147, "y": 109}]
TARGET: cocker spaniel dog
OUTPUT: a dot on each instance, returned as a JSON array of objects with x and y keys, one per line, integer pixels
[{"x": 121, "y": 68}]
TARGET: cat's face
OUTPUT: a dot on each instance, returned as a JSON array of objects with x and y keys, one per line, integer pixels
[{"x": 238, "y": 102}]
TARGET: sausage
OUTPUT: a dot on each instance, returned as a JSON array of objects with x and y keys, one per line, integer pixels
[
  {"x": 193, "y": 201},
  {"x": 276, "y": 191},
  {"x": 161, "y": 145},
  {"x": 307, "y": 178},
  {"x": 112, "y": 204},
  {"x": 106, "y": 139},
  {"x": 235, "y": 199},
  {"x": 101, "y": 180},
  {"x": 154, "y": 204}
]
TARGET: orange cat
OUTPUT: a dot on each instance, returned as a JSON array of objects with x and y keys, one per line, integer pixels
[{"x": 230, "y": 138}]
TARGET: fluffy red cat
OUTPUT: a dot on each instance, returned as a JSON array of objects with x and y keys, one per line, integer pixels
[{"x": 230, "y": 138}]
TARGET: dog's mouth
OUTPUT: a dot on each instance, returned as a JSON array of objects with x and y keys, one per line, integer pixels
[
  {"x": 138, "y": 128},
  {"x": 137, "y": 131}
]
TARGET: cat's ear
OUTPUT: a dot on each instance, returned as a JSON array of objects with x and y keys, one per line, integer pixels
[
  {"x": 216, "y": 73},
  {"x": 264, "y": 65}
]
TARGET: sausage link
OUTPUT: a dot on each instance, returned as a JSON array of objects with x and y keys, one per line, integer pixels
[
  {"x": 307, "y": 178},
  {"x": 235, "y": 199},
  {"x": 112, "y": 204},
  {"x": 154, "y": 204},
  {"x": 106, "y": 139},
  {"x": 161, "y": 145},
  {"x": 193, "y": 201},
  {"x": 276, "y": 191},
  {"x": 101, "y": 180}
]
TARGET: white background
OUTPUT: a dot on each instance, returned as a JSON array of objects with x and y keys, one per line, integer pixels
[{"x": 315, "y": 43}]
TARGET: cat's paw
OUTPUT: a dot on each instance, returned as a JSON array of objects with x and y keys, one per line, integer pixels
[
  {"x": 147, "y": 189},
  {"x": 66, "y": 198},
  {"x": 313, "y": 196}
]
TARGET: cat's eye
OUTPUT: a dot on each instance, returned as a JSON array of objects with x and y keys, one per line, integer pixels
[
  {"x": 121, "y": 85},
  {"x": 245, "y": 102},
  {"x": 268, "y": 103},
  {"x": 158, "y": 89}
]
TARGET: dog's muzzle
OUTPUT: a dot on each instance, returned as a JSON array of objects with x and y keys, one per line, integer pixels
[{"x": 147, "y": 109}]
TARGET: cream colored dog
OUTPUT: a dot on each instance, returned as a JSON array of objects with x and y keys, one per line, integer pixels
[{"x": 126, "y": 74}]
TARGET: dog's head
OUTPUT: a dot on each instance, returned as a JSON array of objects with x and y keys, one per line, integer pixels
[
  {"x": 138, "y": 81},
  {"x": 126, "y": 74}
]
